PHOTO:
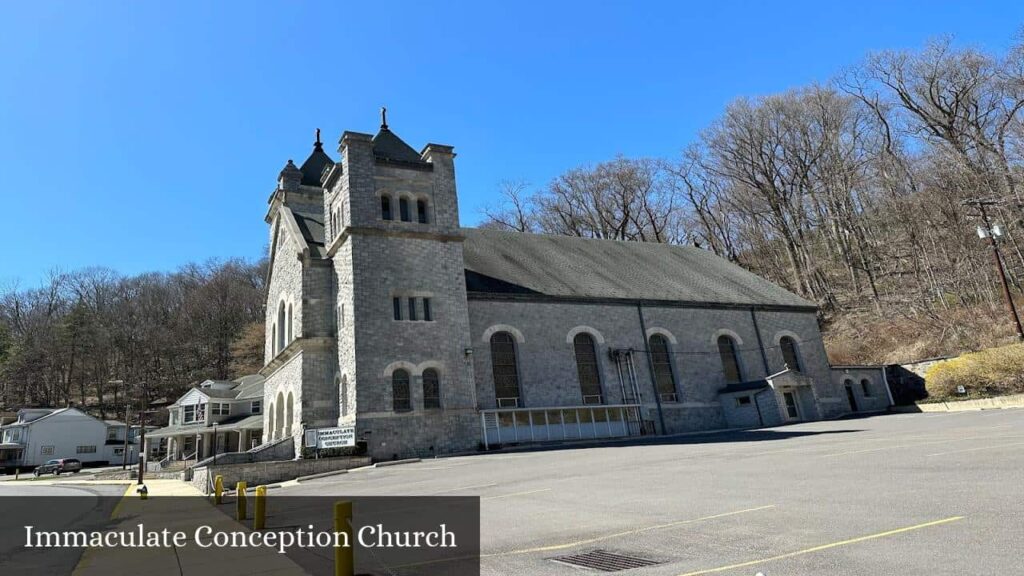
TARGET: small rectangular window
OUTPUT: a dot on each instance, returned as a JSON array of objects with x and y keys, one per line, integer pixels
[
  {"x": 412, "y": 309},
  {"x": 257, "y": 406},
  {"x": 426, "y": 310},
  {"x": 46, "y": 450},
  {"x": 743, "y": 401},
  {"x": 396, "y": 303},
  {"x": 85, "y": 450}
]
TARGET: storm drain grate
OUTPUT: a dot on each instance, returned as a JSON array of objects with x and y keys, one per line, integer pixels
[{"x": 604, "y": 561}]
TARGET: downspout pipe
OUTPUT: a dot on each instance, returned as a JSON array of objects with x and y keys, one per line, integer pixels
[
  {"x": 760, "y": 343},
  {"x": 650, "y": 364}
]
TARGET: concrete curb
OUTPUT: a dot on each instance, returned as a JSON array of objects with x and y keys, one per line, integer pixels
[
  {"x": 321, "y": 475},
  {"x": 397, "y": 462},
  {"x": 994, "y": 403}
]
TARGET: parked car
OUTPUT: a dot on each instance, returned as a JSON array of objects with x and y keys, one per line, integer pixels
[{"x": 59, "y": 466}]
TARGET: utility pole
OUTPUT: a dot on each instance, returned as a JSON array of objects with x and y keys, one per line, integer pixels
[
  {"x": 127, "y": 427},
  {"x": 143, "y": 453},
  {"x": 991, "y": 232}
]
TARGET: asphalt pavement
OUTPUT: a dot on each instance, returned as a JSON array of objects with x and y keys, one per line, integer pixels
[{"x": 902, "y": 494}]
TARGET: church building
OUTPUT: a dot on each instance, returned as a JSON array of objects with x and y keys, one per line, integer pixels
[{"x": 383, "y": 313}]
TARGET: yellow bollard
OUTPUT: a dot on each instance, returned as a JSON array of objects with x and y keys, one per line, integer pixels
[
  {"x": 344, "y": 557},
  {"x": 218, "y": 488},
  {"x": 240, "y": 499},
  {"x": 259, "y": 520}
]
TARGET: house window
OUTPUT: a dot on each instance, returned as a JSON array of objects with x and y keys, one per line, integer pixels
[
  {"x": 400, "y": 391},
  {"x": 385, "y": 208},
  {"x": 256, "y": 407},
  {"x": 586, "y": 368},
  {"x": 504, "y": 370},
  {"x": 46, "y": 450},
  {"x": 743, "y": 400},
  {"x": 188, "y": 413},
  {"x": 118, "y": 451},
  {"x": 426, "y": 310},
  {"x": 730, "y": 362},
  {"x": 789, "y": 353},
  {"x": 14, "y": 435},
  {"x": 218, "y": 409},
  {"x": 421, "y": 211},
  {"x": 865, "y": 386},
  {"x": 111, "y": 433},
  {"x": 85, "y": 450},
  {"x": 431, "y": 389},
  {"x": 403, "y": 209},
  {"x": 412, "y": 309},
  {"x": 396, "y": 304},
  {"x": 664, "y": 379}
]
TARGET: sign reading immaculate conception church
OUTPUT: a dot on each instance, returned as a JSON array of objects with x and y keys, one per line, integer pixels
[{"x": 336, "y": 437}]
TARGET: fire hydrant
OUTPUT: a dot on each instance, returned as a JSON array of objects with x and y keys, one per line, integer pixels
[{"x": 143, "y": 492}]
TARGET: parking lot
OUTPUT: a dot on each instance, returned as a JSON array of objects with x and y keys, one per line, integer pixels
[{"x": 895, "y": 494}]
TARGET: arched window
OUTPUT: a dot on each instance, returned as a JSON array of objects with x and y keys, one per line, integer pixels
[
  {"x": 279, "y": 416},
  {"x": 400, "y": 391},
  {"x": 865, "y": 386},
  {"x": 664, "y": 379},
  {"x": 271, "y": 432},
  {"x": 344, "y": 396},
  {"x": 289, "y": 415},
  {"x": 730, "y": 362},
  {"x": 431, "y": 389},
  {"x": 385, "y": 208},
  {"x": 586, "y": 368},
  {"x": 282, "y": 321},
  {"x": 403, "y": 209},
  {"x": 504, "y": 370},
  {"x": 273, "y": 340},
  {"x": 421, "y": 211},
  {"x": 789, "y": 355},
  {"x": 291, "y": 335}
]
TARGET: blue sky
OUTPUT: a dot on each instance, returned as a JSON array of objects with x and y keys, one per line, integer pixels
[{"x": 140, "y": 136}]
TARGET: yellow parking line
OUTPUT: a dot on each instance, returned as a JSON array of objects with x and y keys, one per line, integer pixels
[
  {"x": 516, "y": 494},
  {"x": 625, "y": 533},
  {"x": 824, "y": 547},
  {"x": 976, "y": 449}
]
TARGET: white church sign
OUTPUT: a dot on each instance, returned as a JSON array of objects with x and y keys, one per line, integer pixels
[{"x": 336, "y": 437}]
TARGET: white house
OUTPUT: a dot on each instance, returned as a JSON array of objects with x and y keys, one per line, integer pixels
[
  {"x": 217, "y": 415},
  {"x": 41, "y": 434}
]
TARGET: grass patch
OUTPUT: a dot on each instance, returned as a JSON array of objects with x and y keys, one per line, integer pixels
[{"x": 984, "y": 374}]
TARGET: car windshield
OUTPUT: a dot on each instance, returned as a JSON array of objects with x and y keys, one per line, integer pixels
[{"x": 53, "y": 461}]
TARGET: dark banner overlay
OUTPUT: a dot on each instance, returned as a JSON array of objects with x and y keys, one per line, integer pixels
[{"x": 107, "y": 535}]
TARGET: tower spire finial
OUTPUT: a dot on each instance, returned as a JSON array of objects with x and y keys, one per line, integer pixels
[
  {"x": 318, "y": 143},
  {"x": 383, "y": 118}
]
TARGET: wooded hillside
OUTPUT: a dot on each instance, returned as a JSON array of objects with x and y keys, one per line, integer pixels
[
  {"x": 850, "y": 193},
  {"x": 72, "y": 339}
]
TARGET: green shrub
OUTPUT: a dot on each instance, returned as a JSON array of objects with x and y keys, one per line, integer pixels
[{"x": 992, "y": 372}]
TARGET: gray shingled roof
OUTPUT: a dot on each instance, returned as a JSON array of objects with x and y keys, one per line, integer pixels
[
  {"x": 563, "y": 266},
  {"x": 311, "y": 224},
  {"x": 314, "y": 166},
  {"x": 388, "y": 146}
]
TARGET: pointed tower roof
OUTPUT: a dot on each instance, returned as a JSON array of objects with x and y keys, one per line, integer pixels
[
  {"x": 314, "y": 166},
  {"x": 388, "y": 146}
]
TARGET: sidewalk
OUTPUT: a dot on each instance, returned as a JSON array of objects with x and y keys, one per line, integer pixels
[{"x": 177, "y": 506}]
